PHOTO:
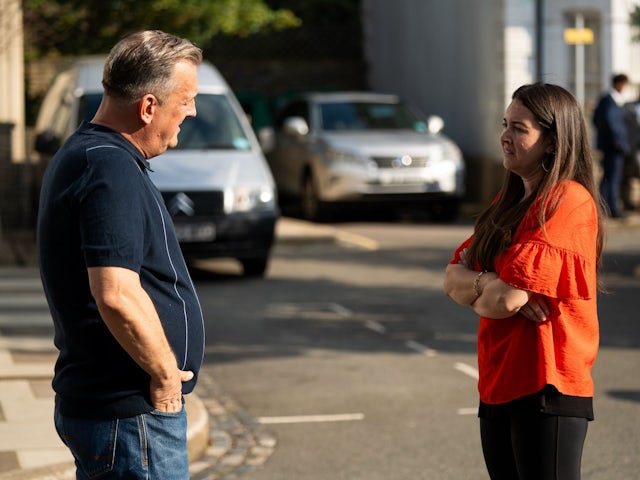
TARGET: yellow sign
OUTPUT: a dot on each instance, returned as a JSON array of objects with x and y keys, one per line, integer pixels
[{"x": 578, "y": 36}]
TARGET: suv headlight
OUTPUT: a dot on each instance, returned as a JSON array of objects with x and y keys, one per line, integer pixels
[{"x": 246, "y": 199}]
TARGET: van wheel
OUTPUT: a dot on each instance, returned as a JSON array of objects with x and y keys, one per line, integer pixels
[
  {"x": 254, "y": 267},
  {"x": 312, "y": 207}
]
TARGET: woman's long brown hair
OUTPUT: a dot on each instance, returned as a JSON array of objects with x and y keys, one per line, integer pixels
[{"x": 561, "y": 119}]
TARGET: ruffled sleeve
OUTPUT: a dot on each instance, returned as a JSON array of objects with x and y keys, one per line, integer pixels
[
  {"x": 548, "y": 270},
  {"x": 559, "y": 262}
]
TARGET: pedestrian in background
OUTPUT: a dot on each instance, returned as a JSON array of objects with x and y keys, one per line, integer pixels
[
  {"x": 127, "y": 319},
  {"x": 612, "y": 141},
  {"x": 631, "y": 169},
  {"x": 530, "y": 271}
]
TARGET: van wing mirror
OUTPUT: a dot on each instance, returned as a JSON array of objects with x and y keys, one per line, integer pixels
[{"x": 47, "y": 142}]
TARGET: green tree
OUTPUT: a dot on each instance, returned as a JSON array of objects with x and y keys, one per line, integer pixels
[{"x": 80, "y": 27}]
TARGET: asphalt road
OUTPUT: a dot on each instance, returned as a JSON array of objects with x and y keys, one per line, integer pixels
[{"x": 352, "y": 357}]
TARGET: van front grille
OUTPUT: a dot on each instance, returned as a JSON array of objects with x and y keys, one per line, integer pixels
[{"x": 191, "y": 204}]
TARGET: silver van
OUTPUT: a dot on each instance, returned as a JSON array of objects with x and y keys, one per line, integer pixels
[{"x": 215, "y": 183}]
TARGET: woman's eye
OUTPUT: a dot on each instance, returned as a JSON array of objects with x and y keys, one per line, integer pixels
[{"x": 516, "y": 127}]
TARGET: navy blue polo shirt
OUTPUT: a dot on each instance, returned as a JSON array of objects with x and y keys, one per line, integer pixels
[{"x": 98, "y": 208}]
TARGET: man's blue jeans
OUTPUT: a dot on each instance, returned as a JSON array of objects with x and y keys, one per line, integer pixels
[{"x": 151, "y": 446}]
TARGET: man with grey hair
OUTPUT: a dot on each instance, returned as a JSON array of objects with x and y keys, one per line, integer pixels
[{"x": 127, "y": 319}]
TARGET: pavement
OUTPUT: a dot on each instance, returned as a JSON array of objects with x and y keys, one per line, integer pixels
[{"x": 224, "y": 440}]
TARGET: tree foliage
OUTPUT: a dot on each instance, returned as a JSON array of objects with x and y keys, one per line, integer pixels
[{"x": 79, "y": 27}]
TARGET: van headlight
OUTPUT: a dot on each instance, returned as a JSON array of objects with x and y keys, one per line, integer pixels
[{"x": 246, "y": 199}]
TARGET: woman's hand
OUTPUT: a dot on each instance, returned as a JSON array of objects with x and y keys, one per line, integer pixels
[
  {"x": 535, "y": 309},
  {"x": 463, "y": 257},
  {"x": 500, "y": 301},
  {"x": 462, "y": 283}
]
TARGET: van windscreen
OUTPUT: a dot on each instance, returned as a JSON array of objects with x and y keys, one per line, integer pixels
[{"x": 216, "y": 126}]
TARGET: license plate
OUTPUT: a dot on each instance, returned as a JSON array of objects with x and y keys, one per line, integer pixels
[
  {"x": 195, "y": 232},
  {"x": 404, "y": 176}
]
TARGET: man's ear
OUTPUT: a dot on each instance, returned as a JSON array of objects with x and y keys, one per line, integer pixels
[{"x": 147, "y": 108}]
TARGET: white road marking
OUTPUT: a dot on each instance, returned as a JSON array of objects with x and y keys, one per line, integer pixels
[
  {"x": 357, "y": 240},
  {"x": 467, "y": 369},
  {"x": 20, "y": 319},
  {"x": 468, "y": 411},
  {"x": 340, "y": 417},
  {"x": 473, "y": 373},
  {"x": 418, "y": 347},
  {"x": 456, "y": 337},
  {"x": 297, "y": 309},
  {"x": 375, "y": 326},
  {"x": 340, "y": 310}
]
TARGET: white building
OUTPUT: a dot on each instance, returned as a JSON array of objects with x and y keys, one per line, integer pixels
[{"x": 462, "y": 59}]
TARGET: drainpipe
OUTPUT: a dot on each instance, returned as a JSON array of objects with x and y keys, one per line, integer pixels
[{"x": 539, "y": 27}]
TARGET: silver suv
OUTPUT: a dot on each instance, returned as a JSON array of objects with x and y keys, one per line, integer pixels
[{"x": 331, "y": 148}]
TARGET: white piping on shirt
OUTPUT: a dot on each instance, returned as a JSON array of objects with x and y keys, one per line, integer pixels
[{"x": 175, "y": 273}]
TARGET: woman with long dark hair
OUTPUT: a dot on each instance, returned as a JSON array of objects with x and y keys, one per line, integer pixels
[{"x": 530, "y": 271}]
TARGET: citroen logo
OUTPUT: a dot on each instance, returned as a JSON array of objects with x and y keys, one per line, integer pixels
[
  {"x": 402, "y": 161},
  {"x": 181, "y": 203}
]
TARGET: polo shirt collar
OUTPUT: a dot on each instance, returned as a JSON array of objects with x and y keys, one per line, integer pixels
[{"x": 118, "y": 139}]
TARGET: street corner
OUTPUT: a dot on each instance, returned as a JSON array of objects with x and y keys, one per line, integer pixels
[
  {"x": 238, "y": 444},
  {"x": 296, "y": 231},
  {"x": 293, "y": 230},
  {"x": 198, "y": 430}
]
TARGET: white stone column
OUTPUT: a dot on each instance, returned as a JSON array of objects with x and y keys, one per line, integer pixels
[{"x": 12, "y": 74}]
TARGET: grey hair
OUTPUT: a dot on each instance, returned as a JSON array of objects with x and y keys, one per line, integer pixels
[{"x": 143, "y": 63}]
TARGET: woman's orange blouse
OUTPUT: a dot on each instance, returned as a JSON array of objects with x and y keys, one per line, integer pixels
[{"x": 518, "y": 357}]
